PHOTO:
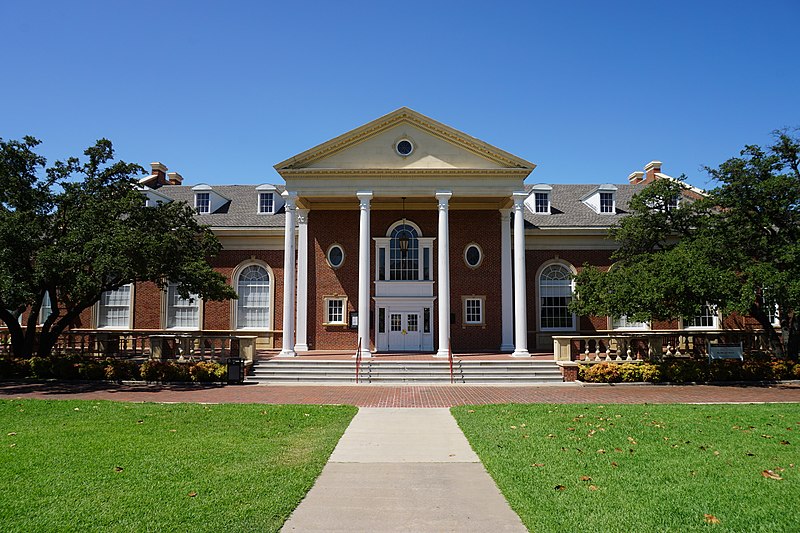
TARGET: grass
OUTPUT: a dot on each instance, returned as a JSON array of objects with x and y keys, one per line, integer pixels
[
  {"x": 108, "y": 466},
  {"x": 642, "y": 467}
]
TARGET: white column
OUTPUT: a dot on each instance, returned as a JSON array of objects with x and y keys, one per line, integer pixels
[
  {"x": 506, "y": 283},
  {"x": 288, "y": 276},
  {"x": 520, "y": 295},
  {"x": 302, "y": 281},
  {"x": 364, "y": 198},
  {"x": 444, "y": 273}
]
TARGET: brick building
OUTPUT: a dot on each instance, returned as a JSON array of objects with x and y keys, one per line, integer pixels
[{"x": 402, "y": 235}]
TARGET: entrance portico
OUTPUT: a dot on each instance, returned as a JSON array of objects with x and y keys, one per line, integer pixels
[{"x": 406, "y": 174}]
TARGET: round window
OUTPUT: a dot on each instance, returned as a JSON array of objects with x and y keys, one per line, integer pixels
[
  {"x": 473, "y": 255},
  {"x": 404, "y": 147},
  {"x": 335, "y": 256}
]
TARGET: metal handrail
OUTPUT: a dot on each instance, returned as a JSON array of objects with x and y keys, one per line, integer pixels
[
  {"x": 358, "y": 359},
  {"x": 450, "y": 357}
]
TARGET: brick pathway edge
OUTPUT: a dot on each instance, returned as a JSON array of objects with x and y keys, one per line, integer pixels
[{"x": 406, "y": 396}]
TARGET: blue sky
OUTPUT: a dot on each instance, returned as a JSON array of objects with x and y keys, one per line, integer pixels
[{"x": 221, "y": 91}]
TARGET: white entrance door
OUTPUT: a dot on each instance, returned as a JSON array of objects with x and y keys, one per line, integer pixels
[{"x": 404, "y": 332}]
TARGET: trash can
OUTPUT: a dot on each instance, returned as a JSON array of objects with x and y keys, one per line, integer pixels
[{"x": 235, "y": 370}]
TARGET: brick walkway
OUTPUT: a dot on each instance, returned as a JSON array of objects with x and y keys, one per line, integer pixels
[{"x": 406, "y": 396}]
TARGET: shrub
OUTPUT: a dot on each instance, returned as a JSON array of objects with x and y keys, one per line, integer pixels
[
  {"x": 121, "y": 369},
  {"x": 66, "y": 366},
  {"x": 684, "y": 371},
  {"x": 650, "y": 372},
  {"x": 630, "y": 373},
  {"x": 603, "y": 373},
  {"x": 14, "y": 368},
  {"x": 796, "y": 371},
  {"x": 41, "y": 367},
  {"x": 153, "y": 370},
  {"x": 206, "y": 372},
  {"x": 91, "y": 370}
]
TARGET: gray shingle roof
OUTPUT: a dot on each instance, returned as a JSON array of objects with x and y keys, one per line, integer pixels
[
  {"x": 239, "y": 212},
  {"x": 568, "y": 211}
]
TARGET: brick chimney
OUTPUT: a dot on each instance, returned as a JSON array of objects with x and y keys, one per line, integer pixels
[
  {"x": 174, "y": 178},
  {"x": 636, "y": 177},
  {"x": 651, "y": 169},
  {"x": 160, "y": 172}
]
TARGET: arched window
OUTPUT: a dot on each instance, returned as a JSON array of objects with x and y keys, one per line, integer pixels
[
  {"x": 253, "y": 304},
  {"x": 555, "y": 294},
  {"x": 404, "y": 253}
]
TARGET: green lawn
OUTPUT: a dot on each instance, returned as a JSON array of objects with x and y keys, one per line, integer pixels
[
  {"x": 643, "y": 467},
  {"x": 108, "y": 466}
]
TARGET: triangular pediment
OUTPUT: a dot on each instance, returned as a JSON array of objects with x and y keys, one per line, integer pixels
[{"x": 373, "y": 146}]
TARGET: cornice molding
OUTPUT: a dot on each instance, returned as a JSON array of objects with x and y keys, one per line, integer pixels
[{"x": 404, "y": 172}]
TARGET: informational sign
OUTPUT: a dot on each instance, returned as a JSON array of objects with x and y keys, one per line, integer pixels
[
  {"x": 725, "y": 351},
  {"x": 353, "y": 319}
]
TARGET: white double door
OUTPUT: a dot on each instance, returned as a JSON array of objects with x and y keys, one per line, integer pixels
[{"x": 405, "y": 331}]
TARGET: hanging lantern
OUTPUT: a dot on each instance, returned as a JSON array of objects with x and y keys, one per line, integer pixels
[{"x": 403, "y": 239}]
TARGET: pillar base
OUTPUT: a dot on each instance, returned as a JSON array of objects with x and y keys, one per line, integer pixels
[
  {"x": 507, "y": 347},
  {"x": 521, "y": 353},
  {"x": 301, "y": 348},
  {"x": 365, "y": 354},
  {"x": 287, "y": 353},
  {"x": 442, "y": 353}
]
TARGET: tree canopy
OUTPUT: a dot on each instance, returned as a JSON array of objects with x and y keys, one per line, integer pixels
[
  {"x": 79, "y": 228},
  {"x": 737, "y": 248}
]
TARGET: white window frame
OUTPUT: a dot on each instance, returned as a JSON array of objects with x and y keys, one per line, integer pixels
[
  {"x": 541, "y": 195},
  {"x": 622, "y": 324},
  {"x": 612, "y": 207},
  {"x": 465, "y": 300},
  {"x": 270, "y": 297},
  {"x": 261, "y": 197},
  {"x": 385, "y": 244},
  {"x": 327, "y": 310},
  {"x": 539, "y": 317},
  {"x": 480, "y": 255},
  {"x": 713, "y": 313},
  {"x": 168, "y": 307},
  {"x": 42, "y": 315},
  {"x": 203, "y": 207},
  {"x": 328, "y": 256},
  {"x": 99, "y": 310}
]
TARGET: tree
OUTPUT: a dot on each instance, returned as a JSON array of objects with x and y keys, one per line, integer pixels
[
  {"x": 737, "y": 248},
  {"x": 82, "y": 228}
]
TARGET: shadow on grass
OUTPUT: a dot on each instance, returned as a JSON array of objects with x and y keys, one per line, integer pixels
[{"x": 10, "y": 388}]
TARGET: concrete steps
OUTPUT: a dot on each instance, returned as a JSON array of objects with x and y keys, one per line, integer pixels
[{"x": 376, "y": 371}]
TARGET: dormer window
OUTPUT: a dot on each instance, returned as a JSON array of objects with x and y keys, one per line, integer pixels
[
  {"x": 266, "y": 202},
  {"x": 606, "y": 202},
  {"x": 539, "y": 200},
  {"x": 673, "y": 203},
  {"x": 602, "y": 200},
  {"x": 202, "y": 202}
]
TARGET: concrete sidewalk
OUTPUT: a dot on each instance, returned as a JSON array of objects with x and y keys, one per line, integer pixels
[{"x": 404, "y": 470}]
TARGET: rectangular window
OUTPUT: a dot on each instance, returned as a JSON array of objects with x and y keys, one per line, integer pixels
[
  {"x": 473, "y": 310},
  {"x": 381, "y": 320},
  {"x": 673, "y": 203},
  {"x": 413, "y": 322},
  {"x": 382, "y": 264},
  {"x": 334, "y": 311},
  {"x": 624, "y": 323},
  {"x": 707, "y": 319},
  {"x": 114, "y": 310},
  {"x": 606, "y": 202},
  {"x": 266, "y": 202},
  {"x": 426, "y": 320},
  {"x": 395, "y": 322},
  {"x": 182, "y": 313},
  {"x": 426, "y": 264},
  {"x": 541, "y": 202},
  {"x": 202, "y": 202}
]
